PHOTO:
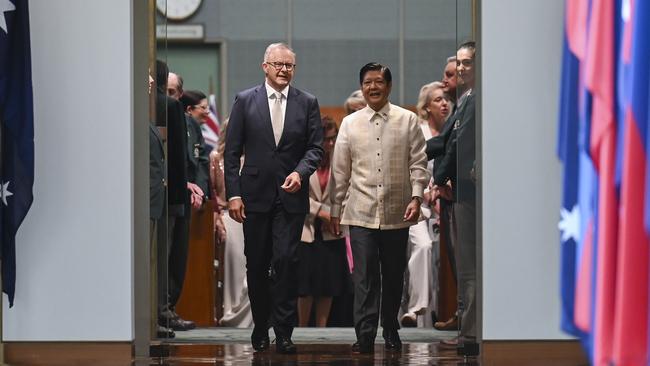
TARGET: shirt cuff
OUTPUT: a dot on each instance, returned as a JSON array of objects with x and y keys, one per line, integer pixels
[
  {"x": 234, "y": 198},
  {"x": 335, "y": 211},
  {"x": 418, "y": 191}
]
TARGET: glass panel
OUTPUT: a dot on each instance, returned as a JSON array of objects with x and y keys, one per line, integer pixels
[
  {"x": 218, "y": 51},
  {"x": 464, "y": 178},
  {"x": 165, "y": 143}
]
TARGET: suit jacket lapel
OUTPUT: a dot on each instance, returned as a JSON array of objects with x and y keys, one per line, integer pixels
[
  {"x": 315, "y": 186},
  {"x": 289, "y": 113},
  {"x": 262, "y": 102}
]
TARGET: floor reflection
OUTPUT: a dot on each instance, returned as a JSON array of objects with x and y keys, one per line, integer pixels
[{"x": 308, "y": 354}]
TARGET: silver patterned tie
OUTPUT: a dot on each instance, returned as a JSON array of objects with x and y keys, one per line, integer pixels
[{"x": 276, "y": 117}]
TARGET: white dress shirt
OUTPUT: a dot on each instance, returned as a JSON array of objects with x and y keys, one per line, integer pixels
[{"x": 270, "y": 92}]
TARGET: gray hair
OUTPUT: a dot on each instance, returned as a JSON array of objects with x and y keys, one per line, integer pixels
[
  {"x": 180, "y": 80},
  {"x": 273, "y": 46},
  {"x": 355, "y": 98},
  {"x": 451, "y": 59},
  {"x": 425, "y": 97}
]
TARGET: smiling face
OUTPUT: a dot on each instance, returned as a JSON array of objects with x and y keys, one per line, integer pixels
[
  {"x": 375, "y": 89},
  {"x": 465, "y": 67},
  {"x": 279, "y": 78}
]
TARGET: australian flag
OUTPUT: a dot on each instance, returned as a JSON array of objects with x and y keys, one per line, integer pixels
[{"x": 17, "y": 129}]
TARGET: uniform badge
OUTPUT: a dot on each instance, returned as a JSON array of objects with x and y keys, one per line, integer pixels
[
  {"x": 196, "y": 151},
  {"x": 456, "y": 124}
]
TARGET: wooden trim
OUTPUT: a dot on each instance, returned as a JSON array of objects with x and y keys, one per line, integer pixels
[
  {"x": 556, "y": 353},
  {"x": 69, "y": 353}
]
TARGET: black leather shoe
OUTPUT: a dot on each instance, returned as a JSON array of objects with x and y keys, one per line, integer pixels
[
  {"x": 392, "y": 341},
  {"x": 285, "y": 346},
  {"x": 179, "y": 324},
  {"x": 363, "y": 347},
  {"x": 188, "y": 324},
  {"x": 260, "y": 344},
  {"x": 164, "y": 332}
]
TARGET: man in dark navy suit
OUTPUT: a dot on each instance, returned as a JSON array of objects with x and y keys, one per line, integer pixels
[{"x": 278, "y": 129}]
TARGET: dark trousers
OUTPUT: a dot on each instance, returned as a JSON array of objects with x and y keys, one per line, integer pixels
[
  {"x": 379, "y": 264},
  {"x": 162, "y": 264},
  {"x": 448, "y": 233},
  {"x": 172, "y": 251},
  {"x": 178, "y": 253},
  {"x": 465, "y": 218},
  {"x": 270, "y": 245}
]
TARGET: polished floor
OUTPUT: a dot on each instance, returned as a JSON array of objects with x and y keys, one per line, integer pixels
[
  {"x": 316, "y": 346},
  {"x": 308, "y": 354},
  {"x": 325, "y": 346}
]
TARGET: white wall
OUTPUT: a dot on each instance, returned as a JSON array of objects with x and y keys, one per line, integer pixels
[
  {"x": 74, "y": 250},
  {"x": 521, "y": 56}
]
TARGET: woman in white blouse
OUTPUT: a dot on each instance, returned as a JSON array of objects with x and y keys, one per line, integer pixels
[{"x": 421, "y": 277}]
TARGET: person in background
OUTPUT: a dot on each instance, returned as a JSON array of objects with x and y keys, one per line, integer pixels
[
  {"x": 456, "y": 163},
  {"x": 420, "y": 282},
  {"x": 322, "y": 270},
  {"x": 341, "y": 313},
  {"x": 157, "y": 195},
  {"x": 172, "y": 249},
  {"x": 195, "y": 104},
  {"x": 230, "y": 234},
  {"x": 354, "y": 102},
  {"x": 175, "y": 90},
  {"x": 449, "y": 81}
]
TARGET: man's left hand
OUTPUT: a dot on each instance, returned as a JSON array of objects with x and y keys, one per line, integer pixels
[
  {"x": 291, "y": 183},
  {"x": 412, "y": 210}
]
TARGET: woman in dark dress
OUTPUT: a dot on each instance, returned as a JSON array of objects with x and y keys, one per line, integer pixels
[{"x": 323, "y": 265}]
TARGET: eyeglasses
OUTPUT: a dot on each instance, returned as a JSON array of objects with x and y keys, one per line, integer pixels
[
  {"x": 279, "y": 65},
  {"x": 329, "y": 138},
  {"x": 204, "y": 107}
]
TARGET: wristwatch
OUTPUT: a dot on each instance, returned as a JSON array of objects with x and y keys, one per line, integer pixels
[{"x": 419, "y": 199}]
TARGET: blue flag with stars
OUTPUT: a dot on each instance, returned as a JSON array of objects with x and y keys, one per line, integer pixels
[{"x": 17, "y": 129}]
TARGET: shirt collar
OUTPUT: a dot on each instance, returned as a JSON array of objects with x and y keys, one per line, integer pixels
[
  {"x": 270, "y": 91},
  {"x": 466, "y": 94},
  {"x": 383, "y": 112}
]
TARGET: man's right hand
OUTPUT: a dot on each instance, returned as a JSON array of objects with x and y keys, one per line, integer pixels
[
  {"x": 236, "y": 210},
  {"x": 335, "y": 225}
]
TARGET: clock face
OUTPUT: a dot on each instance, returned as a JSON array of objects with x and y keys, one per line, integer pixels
[{"x": 177, "y": 9}]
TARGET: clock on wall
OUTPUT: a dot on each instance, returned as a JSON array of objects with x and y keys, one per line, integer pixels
[{"x": 177, "y": 9}]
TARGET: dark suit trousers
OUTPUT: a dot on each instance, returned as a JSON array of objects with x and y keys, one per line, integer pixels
[
  {"x": 172, "y": 252},
  {"x": 270, "y": 245},
  {"x": 448, "y": 233},
  {"x": 465, "y": 245},
  {"x": 377, "y": 251},
  {"x": 178, "y": 253}
]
